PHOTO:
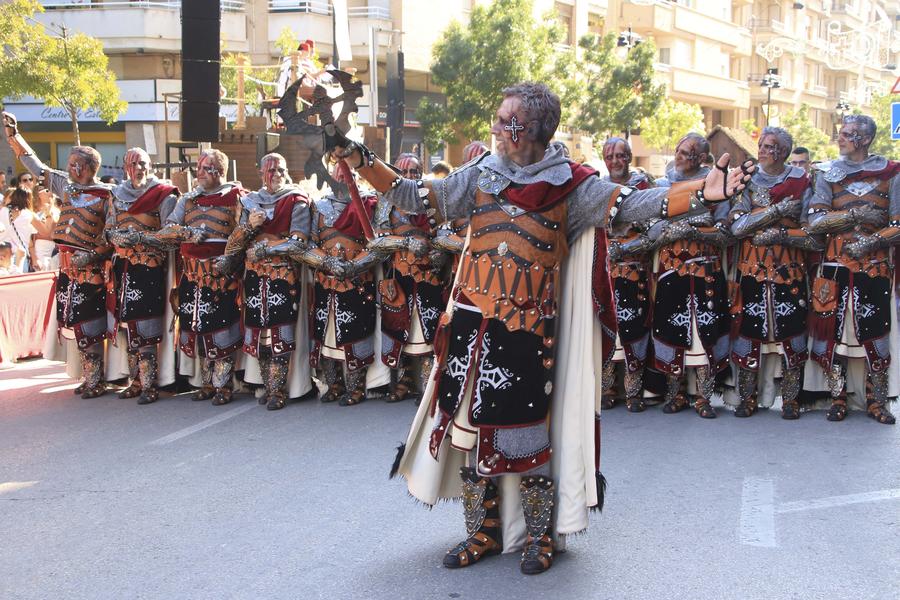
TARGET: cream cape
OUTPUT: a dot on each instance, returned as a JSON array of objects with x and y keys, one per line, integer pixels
[{"x": 576, "y": 400}]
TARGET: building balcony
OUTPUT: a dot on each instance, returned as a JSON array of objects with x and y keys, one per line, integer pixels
[
  {"x": 311, "y": 19},
  {"x": 139, "y": 25},
  {"x": 667, "y": 18},
  {"x": 766, "y": 26},
  {"x": 709, "y": 91}
]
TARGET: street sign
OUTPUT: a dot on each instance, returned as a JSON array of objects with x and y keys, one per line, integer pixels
[
  {"x": 895, "y": 121},
  {"x": 896, "y": 88}
]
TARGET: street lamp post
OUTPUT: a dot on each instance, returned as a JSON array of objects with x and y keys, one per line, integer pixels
[
  {"x": 841, "y": 109},
  {"x": 770, "y": 80},
  {"x": 628, "y": 40}
]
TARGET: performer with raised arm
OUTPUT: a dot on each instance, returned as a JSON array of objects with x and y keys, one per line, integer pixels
[
  {"x": 487, "y": 407},
  {"x": 629, "y": 270},
  {"x": 141, "y": 203},
  {"x": 276, "y": 214},
  {"x": 208, "y": 313},
  {"x": 80, "y": 289},
  {"x": 770, "y": 305},
  {"x": 856, "y": 202},
  {"x": 411, "y": 292},
  {"x": 691, "y": 320}
]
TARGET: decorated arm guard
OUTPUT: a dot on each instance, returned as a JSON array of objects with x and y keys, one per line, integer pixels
[
  {"x": 240, "y": 238},
  {"x": 293, "y": 247},
  {"x": 169, "y": 237},
  {"x": 832, "y": 221},
  {"x": 800, "y": 238},
  {"x": 745, "y": 224},
  {"x": 636, "y": 246},
  {"x": 866, "y": 244},
  {"x": 448, "y": 240},
  {"x": 362, "y": 263},
  {"x": 718, "y": 235}
]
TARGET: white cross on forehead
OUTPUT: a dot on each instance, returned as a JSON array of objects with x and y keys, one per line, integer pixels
[{"x": 514, "y": 128}]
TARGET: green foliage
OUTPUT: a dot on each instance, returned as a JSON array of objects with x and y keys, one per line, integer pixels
[
  {"x": 670, "y": 123},
  {"x": 66, "y": 70},
  {"x": 805, "y": 133},
  {"x": 228, "y": 78},
  {"x": 749, "y": 126},
  {"x": 501, "y": 45},
  {"x": 619, "y": 89},
  {"x": 432, "y": 117},
  {"x": 287, "y": 41},
  {"x": 881, "y": 112}
]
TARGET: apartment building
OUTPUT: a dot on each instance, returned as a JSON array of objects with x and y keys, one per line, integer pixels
[{"x": 714, "y": 53}]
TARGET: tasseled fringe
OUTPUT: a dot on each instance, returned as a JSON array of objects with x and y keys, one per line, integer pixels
[
  {"x": 822, "y": 327},
  {"x": 396, "y": 466},
  {"x": 601, "y": 492}
]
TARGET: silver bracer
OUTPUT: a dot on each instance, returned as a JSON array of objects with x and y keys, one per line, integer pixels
[
  {"x": 636, "y": 246},
  {"x": 260, "y": 251},
  {"x": 751, "y": 222},
  {"x": 362, "y": 264}
]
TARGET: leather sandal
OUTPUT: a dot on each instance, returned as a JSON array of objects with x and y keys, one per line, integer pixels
[
  {"x": 472, "y": 550},
  {"x": 790, "y": 411},
  {"x": 334, "y": 393},
  {"x": 204, "y": 393},
  {"x": 148, "y": 396},
  {"x": 132, "y": 391},
  {"x": 276, "y": 402},
  {"x": 704, "y": 409},
  {"x": 880, "y": 413},
  {"x": 675, "y": 405},
  {"x": 352, "y": 398},
  {"x": 747, "y": 408},
  {"x": 94, "y": 392},
  {"x": 838, "y": 410},
  {"x": 635, "y": 405},
  {"x": 223, "y": 396}
]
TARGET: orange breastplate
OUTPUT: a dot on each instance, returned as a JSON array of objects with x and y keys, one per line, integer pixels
[
  {"x": 219, "y": 221},
  {"x": 404, "y": 261},
  {"x": 81, "y": 227},
  {"x": 335, "y": 242},
  {"x": 511, "y": 268},
  {"x": 274, "y": 267},
  {"x": 845, "y": 197},
  {"x": 141, "y": 254}
]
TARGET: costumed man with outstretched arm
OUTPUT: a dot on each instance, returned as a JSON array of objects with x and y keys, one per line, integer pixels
[
  {"x": 518, "y": 304},
  {"x": 691, "y": 320},
  {"x": 411, "y": 292},
  {"x": 629, "y": 270},
  {"x": 83, "y": 251},
  {"x": 343, "y": 318},
  {"x": 208, "y": 312},
  {"x": 771, "y": 302},
  {"x": 275, "y": 215},
  {"x": 137, "y": 292},
  {"x": 856, "y": 202}
]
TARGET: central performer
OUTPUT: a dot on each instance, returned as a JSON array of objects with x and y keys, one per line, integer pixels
[{"x": 511, "y": 404}]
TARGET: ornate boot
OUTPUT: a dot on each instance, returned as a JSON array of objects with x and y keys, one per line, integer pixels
[
  {"x": 149, "y": 368},
  {"x": 222, "y": 371},
  {"x": 876, "y": 406},
  {"x": 94, "y": 385},
  {"x": 634, "y": 390},
  {"x": 836, "y": 382},
  {"x": 277, "y": 386},
  {"x": 356, "y": 387},
  {"x": 333, "y": 372},
  {"x": 608, "y": 385},
  {"x": 134, "y": 388},
  {"x": 206, "y": 390},
  {"x": 79, "y": 389},
  {"x": 537, "y": 502},
  {"x": 790, "y": 389},
  {"x": 481, "y": 507},
  {"x": 706, "y": 383},
  {"x": 675, "y": 400},
  {"x": 746, "y": 389},
  {"x": 405, "y": 382},
  {"x": 265, "y": 362}
]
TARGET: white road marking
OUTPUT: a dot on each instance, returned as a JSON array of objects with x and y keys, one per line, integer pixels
[
  {"x": 758, "y": 513},
  {"x": 832, "y": 501},
  {"x": 15, "y": 486},
  {"x": 173, "y": 437}
]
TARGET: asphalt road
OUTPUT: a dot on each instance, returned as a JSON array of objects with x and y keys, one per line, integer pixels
[{"x": 105, "y": 499}]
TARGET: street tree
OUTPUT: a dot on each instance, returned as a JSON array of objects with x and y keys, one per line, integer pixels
[
  {"x": 881, "y": 112},
  {"x": 619, "y": 89},
  {"x": 806, "y": 134},
  {"x": 502, "y": 44},
  {"x": 64, "y": 69},
  {"x": 670, "y": 123}
]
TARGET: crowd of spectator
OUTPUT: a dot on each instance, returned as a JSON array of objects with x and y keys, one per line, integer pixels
[{"x": 28, "y": 214}]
